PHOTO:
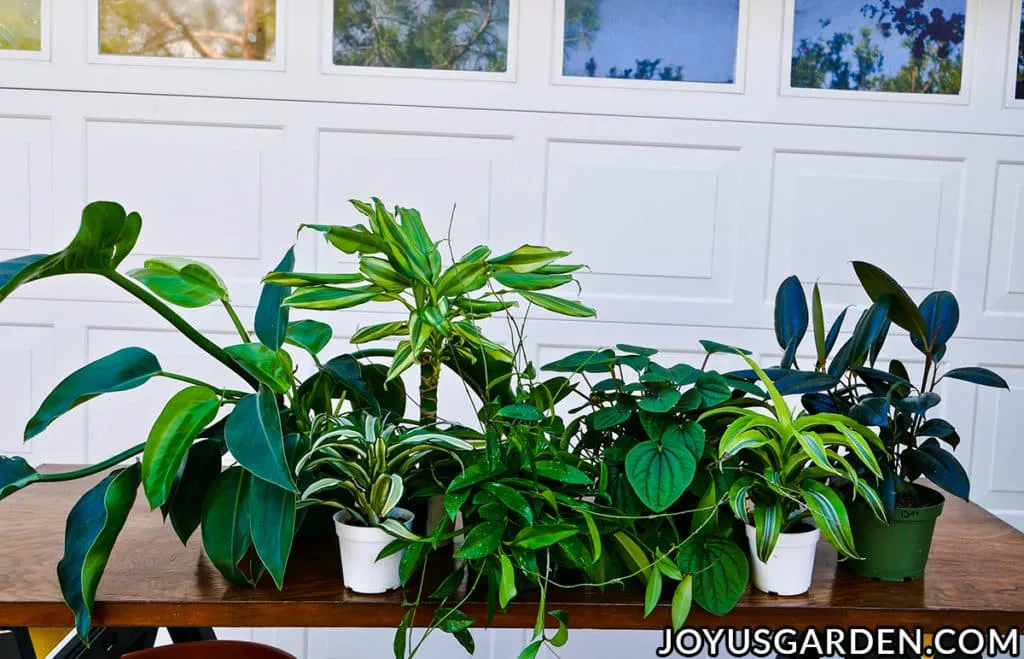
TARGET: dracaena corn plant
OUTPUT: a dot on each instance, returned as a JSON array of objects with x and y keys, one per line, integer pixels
[
  {"x": 399, "y": 262},
  {"x": 786, "y": 461},
  {"x": 361, "y": 465},
  {"x": 853, "y": 382},
  {"x": 248, "y": 512}
]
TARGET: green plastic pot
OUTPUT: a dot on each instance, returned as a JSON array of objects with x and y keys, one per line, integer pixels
[{"x": 897, "y": 551}]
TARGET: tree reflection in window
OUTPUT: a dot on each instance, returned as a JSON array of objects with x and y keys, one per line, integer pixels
[
  {"x": 1020, "y": 56},
  {"x": 21, "y": 25},
  {"x": 214, "y": 29},
  {"x": 675, "y": 40},
  {"x": 461, "y": 35},
  {"x": 908, "y": 46}
]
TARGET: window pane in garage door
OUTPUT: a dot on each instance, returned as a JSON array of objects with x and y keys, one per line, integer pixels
[
  {"x": 456, "y": 35},
  {"x": 20, "y": 24},
  {"x": 214, "y": 29},
  {"x": 909, "y": 46},
  {"x": 680, "y": 40}
]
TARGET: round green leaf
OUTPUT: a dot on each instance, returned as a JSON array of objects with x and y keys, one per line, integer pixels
[
  {"x": 183, "y": 282},
  {"x": 659, "y": 473},
  {"x": 720, "y": 572}
]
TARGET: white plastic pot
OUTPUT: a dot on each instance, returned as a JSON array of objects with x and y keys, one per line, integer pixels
[
  {"x": 789, "y": 568},
  {"x": 360, "y": 545}
]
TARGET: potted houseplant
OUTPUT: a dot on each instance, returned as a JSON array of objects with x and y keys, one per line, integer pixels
[
  {"x": 367, "y": 461},
  {"x": 783, "y": 494},
  {"x": 853, "y": 383},
  {"x": 181, "y": 459}
]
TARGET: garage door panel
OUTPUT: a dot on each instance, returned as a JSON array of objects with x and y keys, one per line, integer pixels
[
  {"x": 829, "y": 209},
  {"x": 1005, "y": 292},
  {"x": 25, "y": 185}
]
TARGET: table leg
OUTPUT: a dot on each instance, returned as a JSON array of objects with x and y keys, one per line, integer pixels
[
  {"x": 109, "y": 643},
  {"x": 191, "y": 634}
]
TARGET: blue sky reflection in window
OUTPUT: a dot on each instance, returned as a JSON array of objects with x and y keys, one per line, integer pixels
[
  {"x": 688, "y": 40},
  {"x": 908, "y": 46}
]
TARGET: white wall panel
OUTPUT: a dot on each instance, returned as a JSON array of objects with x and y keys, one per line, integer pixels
[
  {"x": 1005, "y": 293},
  {"x": 25, "y": 185}
]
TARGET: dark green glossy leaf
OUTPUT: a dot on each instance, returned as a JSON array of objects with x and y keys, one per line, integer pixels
[
  {"x": 481, "y": 540},
  {"x": 105, "y": 237},
  {"x": 941, "y": 429},
  {"x": 183, "y": 282},
  {"x": 833, "y": 333},
  {"x": 186, "y": 414},
  {"x": 660, "y": 473},
  {"x": 269, "y": 366},
  {"x": 271, "y": 322},
  {"x": 713, "y": 347},
  {"x": 521, "y": 413},
  {"x": 452, "y": 620},
  {"x": 586, "y": 361},
  {"x": 352, "y": 378},
  {"x": 185, "y": 505},
  {"x": 562, "y": 472},
  {"x": 310, "y": 335},
  {"x": 720, "y": 572},
  {"x": 226, "y": 525},
  {"x": 92, "y": 528},
  {"x": 608, "y": 417},
  {"x": 919, "y": 404},
  {"x": 253, "y": 435},
  {"x": 713, "y": 389},
  {"x": 977, "y": 375},
  {"x": 688, "y": 434},
  {"x": 867, "y": 330},
  {"x": 272, "y": 525},
  {"x": 450, "y": 584},
  {"x": 941, "y": 467},
  {"x": 531, "y": 650},
  {"x": 15, "y": 474},
  {"x": 540, "y": 536},
  {"x": 401, "y": 634},
  {"x": 902, "y": 310},
  {"x": 512, "y": 499},
  {"x": 791, "y": 317},
  {"x": 410, "y": 560},
  {"x": 663, "y": 401},
  {"x": 637, "y": 350},
  {"x": 941, "y": 315},
  {"x": 465, "y": 639},
  {"x": 120, "y": 371}
]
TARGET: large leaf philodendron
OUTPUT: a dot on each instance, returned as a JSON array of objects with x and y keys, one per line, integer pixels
[{"x": 252, "y": 505}]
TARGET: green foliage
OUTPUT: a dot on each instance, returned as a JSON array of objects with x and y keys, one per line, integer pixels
[
  {"x": 201, "y": 29},
  {"x": 21, "y": 25},
  {"x": 786, "y": 460},
  {"x": 363, "y": 463},
  {"x": 467, "y": 35},
  {"x": 852, "y": 384}
]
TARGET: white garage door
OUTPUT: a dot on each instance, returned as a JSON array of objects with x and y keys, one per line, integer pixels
[{"x": 692, "y": 152}]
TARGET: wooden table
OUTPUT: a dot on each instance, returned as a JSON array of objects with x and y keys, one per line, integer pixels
[{"x": 974, "y": 578}]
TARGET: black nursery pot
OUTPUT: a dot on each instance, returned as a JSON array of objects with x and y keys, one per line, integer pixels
[{"x": 897, "y": 551}]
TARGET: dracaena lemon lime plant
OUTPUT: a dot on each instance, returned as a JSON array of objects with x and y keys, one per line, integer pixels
[
  {"x": 787, "y": 460},
  {"x": 361, "y": 465},
  {"x": 399, "y": 262},
  {"x": 248, "y": 513}
]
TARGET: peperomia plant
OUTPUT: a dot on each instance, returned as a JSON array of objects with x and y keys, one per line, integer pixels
[
  {"x": 853, "y": 384},
  {"x": 247, "y": 513},
  {"x": 785, "y": 461},
  {"x": 399, "y": 262}
]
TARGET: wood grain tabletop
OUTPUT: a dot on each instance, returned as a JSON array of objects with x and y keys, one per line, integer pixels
[{"x": 975, "y": 577}]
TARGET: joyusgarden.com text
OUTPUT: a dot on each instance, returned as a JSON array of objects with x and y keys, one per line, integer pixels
[{"x": 835, "y": 641}]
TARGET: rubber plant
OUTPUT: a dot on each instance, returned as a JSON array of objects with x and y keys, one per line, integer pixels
[
  {"x": 248, "y": 512},
  {"x": 853, "y": 383},
  {"x": 784, "y": 461},
  {"x": 400, "y": 263},
  {"x": 639, "y": 426}
]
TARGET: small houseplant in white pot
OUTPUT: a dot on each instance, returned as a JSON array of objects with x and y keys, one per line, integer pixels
[
  {"x": 783, "y": 493},
  {"x": 363, "y": 463}
]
